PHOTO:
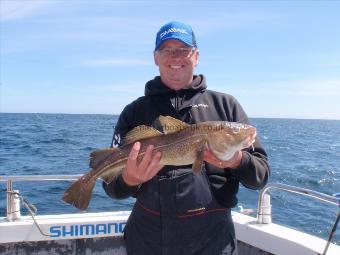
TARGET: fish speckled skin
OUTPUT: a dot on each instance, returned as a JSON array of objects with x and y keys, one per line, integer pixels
[{"x": 180, "y": 144}]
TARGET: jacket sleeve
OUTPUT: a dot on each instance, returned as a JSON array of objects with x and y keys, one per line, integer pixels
[
  {"x": 254, "y": 169},
  {"x": 118, "y": 189}
]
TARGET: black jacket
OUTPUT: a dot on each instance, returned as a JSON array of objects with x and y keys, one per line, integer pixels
[
  {"x": 193, "y": 105},
  {"x": 178, "y": 212}
]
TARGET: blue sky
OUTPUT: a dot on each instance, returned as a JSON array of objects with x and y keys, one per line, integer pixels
[{"x": 278, "y": 58}]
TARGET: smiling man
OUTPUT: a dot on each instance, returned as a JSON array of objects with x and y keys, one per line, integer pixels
[
  {"x": 176, "y": 55},
  {"x": 176, "y": 210}
]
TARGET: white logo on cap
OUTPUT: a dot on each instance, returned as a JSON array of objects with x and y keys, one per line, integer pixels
[{"x": 173, "y": 30}]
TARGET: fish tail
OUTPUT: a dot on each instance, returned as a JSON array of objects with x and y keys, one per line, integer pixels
[{"x": 79, "y": 193}]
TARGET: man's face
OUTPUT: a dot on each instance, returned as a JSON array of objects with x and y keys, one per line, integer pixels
[{"x": 176, "y": 62}]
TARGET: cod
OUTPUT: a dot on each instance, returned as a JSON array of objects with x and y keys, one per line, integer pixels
[{"x": 179, "y": 144}]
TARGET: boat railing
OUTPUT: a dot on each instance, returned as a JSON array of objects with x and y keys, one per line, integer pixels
[
  {"x": 263, "y": 212},
  {"x": 13, "y": 198},
  {"x": 264, "y": 205}
]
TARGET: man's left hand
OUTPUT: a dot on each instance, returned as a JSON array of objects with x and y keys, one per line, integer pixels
[{"x": 234, "y": 162}]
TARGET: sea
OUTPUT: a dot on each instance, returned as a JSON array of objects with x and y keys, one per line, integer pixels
[{"x": 303, "y": 153}]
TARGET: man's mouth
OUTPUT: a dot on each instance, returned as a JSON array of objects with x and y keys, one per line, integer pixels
[{"x": 176, "y": 66}]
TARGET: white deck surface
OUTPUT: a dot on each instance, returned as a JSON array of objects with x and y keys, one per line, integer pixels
[{"x": 272, "y": 238}]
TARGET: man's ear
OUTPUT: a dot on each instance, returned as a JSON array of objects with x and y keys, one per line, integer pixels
[
  {"x": 197, "y": 57},
  {"x": 155, "y": 57}
]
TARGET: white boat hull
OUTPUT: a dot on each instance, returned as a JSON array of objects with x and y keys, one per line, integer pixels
[{"x": 101, "y": 233}]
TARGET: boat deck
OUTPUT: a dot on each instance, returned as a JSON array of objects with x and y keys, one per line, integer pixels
[{"x": 101, "y": 234}]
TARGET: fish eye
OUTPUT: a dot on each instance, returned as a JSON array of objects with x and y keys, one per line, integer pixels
[{"x": 236, "y": 129}]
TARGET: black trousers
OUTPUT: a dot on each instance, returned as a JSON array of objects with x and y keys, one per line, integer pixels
[{"x": 183, "y": 219}]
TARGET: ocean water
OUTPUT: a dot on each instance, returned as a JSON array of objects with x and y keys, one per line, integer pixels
[{"x": 304, "y": 153}]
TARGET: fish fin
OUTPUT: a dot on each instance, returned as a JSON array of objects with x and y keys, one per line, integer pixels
[
  {"x": 79, "y": 193},
  {"x": 109, "y": 177},
  {"x": 197, "y": 165},
  {"x": 171, "y": 125},
  {"x": 98, "y": 156},
  {"x": 139, "y": 133}
]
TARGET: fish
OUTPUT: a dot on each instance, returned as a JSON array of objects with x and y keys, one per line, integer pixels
[{"x": 179, "y": 144}]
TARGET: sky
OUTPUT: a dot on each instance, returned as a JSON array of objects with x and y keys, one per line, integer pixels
[{"x": 280, "y": 59}]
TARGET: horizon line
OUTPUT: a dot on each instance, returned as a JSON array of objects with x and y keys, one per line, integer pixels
[{"x": 117, "y": 114}]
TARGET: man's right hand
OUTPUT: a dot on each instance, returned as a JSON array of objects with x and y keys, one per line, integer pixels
[{"x": 137, "y": 173}]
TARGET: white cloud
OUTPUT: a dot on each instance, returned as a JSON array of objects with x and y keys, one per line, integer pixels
[
  {"x": 116, "y": 62},
  {"x": 308, "y": 98},
  {"x": 133, "y": 88},
  {"x": 11, "y": 10},
  {"x": 330, "y": 63},
  {"x": 229, "y": 20},
  {"x": 306, "y": 88}
]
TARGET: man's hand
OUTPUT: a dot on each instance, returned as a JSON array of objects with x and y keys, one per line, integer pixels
[
  {"x": 137, "y": 173},
  {"x": 234, "y": 162}
]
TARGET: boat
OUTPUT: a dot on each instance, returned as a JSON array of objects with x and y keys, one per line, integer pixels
[{"x": 102, "y": 232}]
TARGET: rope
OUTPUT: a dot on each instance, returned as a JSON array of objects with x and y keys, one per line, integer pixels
[
  {"x": 331, "y": 234},
  {"x": 32, "y": 210}
]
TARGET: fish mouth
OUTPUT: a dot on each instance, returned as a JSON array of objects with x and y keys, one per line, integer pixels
[{"x": 250, "y": 140}]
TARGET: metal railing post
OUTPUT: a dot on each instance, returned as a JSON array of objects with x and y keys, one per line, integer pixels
[
  {"x": 13, "y": 202},
  {"x": 9, "y": 187},
  {"x": 262, "y": 207},
  {"x": 13, "y": 198}
]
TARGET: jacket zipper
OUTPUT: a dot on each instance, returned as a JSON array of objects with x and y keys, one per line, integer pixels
[{"x": 177, "y": 101}]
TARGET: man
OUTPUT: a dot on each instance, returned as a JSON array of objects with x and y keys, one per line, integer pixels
[{"x": 177, "y": 211}]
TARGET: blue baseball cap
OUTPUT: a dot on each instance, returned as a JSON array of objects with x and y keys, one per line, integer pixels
[{"x": 178, "y": 31}]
